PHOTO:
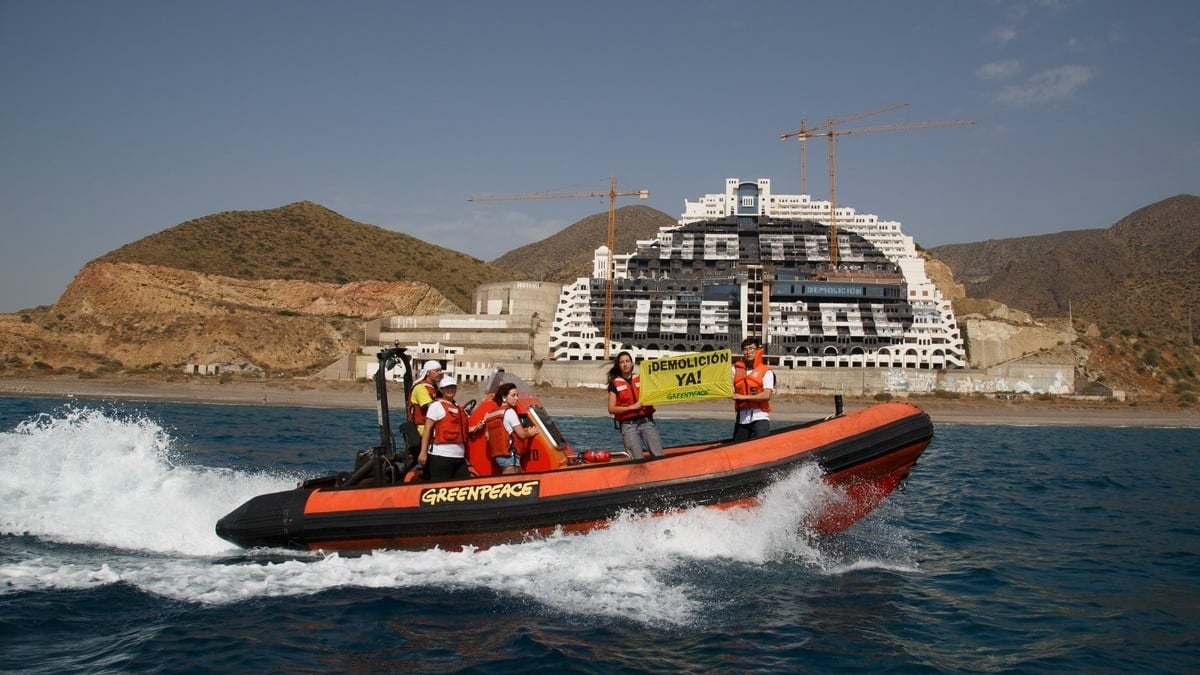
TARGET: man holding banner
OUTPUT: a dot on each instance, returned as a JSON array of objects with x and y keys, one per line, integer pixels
[{"x": 753, "y": 384}]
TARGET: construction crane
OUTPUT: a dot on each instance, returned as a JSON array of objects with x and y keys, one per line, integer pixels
[
  {"x": 804, "y": 133},
  {"x": 612, "y": 195},
  {"x": 830, "y": 133}
]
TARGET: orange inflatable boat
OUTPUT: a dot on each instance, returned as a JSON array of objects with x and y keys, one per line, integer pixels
[{"x": 384, "y": 503}]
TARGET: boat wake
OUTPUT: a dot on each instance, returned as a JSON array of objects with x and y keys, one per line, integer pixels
[{"x": 84, "y": 476}]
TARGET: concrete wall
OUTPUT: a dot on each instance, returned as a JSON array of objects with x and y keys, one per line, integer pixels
[
  {"x": 1058, "y": 379},
  {"x": 1016, "y": 377},
  {"x": 511, "y": 330}
]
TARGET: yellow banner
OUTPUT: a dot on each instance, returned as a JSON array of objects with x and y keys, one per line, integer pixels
[{"x": 687, "y": 377}]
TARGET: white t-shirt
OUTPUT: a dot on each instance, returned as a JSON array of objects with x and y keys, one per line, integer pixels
[
  {"x": 754, "y": 414},
  {"x": 511, "y": 421},
  {"x": 436, "y": 412}
]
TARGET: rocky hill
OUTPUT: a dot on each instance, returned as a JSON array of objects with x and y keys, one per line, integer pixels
[
  {"x": 283, "y": 289},
  {"x": 1142, "y": 274},
  {"x": 308, "y": 242}
]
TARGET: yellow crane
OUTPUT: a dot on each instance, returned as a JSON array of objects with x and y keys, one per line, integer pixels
[
  {"x": 804, "y": 133},
  {"x": 612, "y": 195},
  {"x": 830, "y": 133}
]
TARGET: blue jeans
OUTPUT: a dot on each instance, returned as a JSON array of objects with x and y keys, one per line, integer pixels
[
  {"x": 641, "y": 432},
  {"x": 508, "y": 463}
]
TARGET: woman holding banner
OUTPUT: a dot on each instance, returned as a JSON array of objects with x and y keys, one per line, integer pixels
[{"x": 635, "y": 421}]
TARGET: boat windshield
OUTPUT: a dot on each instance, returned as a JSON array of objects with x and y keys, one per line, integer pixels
[{"x": 550, "y": 430}]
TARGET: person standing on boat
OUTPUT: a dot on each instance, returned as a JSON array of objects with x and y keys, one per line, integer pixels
[
  {"x": 424, "y": 392},
  {"x": 753, "y": 384},
  {"x": 444, "y": 441},
  {"x": 635, "y": 421},
  {"x": 503, "y": 426}
]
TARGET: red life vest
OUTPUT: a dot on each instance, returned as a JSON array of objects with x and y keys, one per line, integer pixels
[
  {"x": 750, "y": 382},
  {"x": 451, "y": 429},
  {"x": 499, "y": 441},
  {"x": 416, "y": 413},
  {"x": 629, "y": 391}
]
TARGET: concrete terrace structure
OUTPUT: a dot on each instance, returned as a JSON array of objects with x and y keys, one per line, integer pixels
[
  {"x": 750, "y": 262},
  {"x": 509, "y": 329}
]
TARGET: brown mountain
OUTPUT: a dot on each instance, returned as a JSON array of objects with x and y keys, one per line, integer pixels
[
  {"x": 1142, "y": 274},
  {"x": 307, "y": 242},
  {"x": 566, "y": 256}
]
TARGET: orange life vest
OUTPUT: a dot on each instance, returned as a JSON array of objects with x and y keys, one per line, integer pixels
[
  {"x": 453, "y": 427},
  {"x": 750, "y": 382},
  {"x": 629, "y": 391},
  {"x": 499, "y": 441},
  {"x": 416, "y": 413}
]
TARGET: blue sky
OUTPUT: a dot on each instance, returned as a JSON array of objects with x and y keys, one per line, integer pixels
[{"x": 120, "y": 119}]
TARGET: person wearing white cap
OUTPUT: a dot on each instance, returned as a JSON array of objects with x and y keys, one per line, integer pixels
[
  {"x": 444, "y": 441},
  {"x": 424, "y": 392}
]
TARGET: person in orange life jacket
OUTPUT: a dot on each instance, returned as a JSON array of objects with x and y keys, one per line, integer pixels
[
  {"x": 753, "y": 384},
  {"x": 424, "y": 392},
  {"x": 635, "y": 421},
  {"x": 502, "y": 425},
  {"x": 444, "y": 441}
]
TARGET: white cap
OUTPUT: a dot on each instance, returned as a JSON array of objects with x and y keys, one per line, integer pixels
[
  {"x": 429, "y": 365},
  {"x": 447, "y": 381}
]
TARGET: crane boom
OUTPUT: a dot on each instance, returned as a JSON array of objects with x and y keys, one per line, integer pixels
[
  {"x": 902, "y": 127},
  {"x": 830, "y": 133},
  {"x": 612, "y": 195},
  {"x": 643, "y": 194},
  {"x": 804, "y": 133}
]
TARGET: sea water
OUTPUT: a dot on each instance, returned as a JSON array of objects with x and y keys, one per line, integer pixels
[{"x": 1012, "y": 549}]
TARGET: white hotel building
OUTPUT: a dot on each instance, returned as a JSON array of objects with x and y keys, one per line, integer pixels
[{"x": 747, "y": 262}]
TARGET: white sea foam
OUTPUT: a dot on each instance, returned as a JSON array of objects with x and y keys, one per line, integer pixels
[{"x": 91, "y": 479}]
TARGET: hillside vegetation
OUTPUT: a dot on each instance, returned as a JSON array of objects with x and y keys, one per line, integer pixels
[{"x": 308, "y": 242}]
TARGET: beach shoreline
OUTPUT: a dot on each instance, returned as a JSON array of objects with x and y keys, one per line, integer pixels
[{"x": 591, "y": 402}]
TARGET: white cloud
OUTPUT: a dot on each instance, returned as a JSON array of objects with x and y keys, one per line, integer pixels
[
  {"x": 1058, "y": 5},
  {"x": 998, "y": 70},
  {"x": 1002, "y": 34},
  {"x": 1048, "y": 86}
]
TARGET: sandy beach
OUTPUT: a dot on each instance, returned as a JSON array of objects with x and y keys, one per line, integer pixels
[{"x": 591, "y": 402}]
